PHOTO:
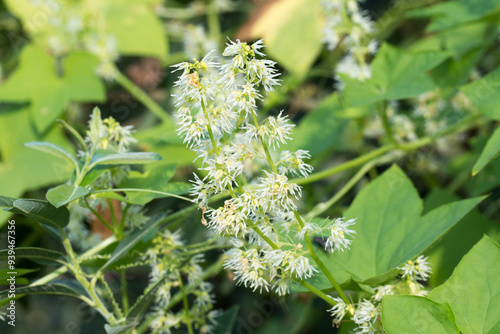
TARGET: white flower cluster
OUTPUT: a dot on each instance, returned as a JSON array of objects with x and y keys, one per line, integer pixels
[
  {"x": 366, "y": 313},
  {"x": 170, "y": 261},
  {"x": 346, "y": 23},
  {"x": 217, "y": 118}
]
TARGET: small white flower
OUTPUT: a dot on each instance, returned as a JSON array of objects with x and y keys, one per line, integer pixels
[
  {"x": 276, "y": 192},
  {"x": 294, "y": 163},
  {"x": 338, "y": 311},
  {"x": 416, "y": 270},
  {"x": 248, "y": 268},
  {"x": 292, "y": 263},
  {"x": 228, "y": 219},
  {"x": 276, "y": 130},
  {"x": 339, "y": 231},
  {"x": 382, "y": 291}
]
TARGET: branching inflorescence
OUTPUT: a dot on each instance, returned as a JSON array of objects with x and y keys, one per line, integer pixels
[
  {"x": 241, "y": 157},
  {"x": 217, "y": 115}
]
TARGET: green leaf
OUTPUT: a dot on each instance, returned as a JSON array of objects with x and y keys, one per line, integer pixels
[
  {"x": 450, "y": 249},
  {"x": 60, "y": 288},
  {"x": 42, "y": 212},
  {"x": 155, "y": 178},
  {"x": 6, "y": 202},
  {"x": 126, "y": 159},
  {"x": 226, "y": 321},
  {"x": 396, "y": 75},
  {"x": 65, "y": 193},
  {"x": 485, "y": 94},
  {"x": 133, "y": 238},
  {"x": 309, "y": 134},
  {"x": 54, "y": 150},
  {"x": 282, "y": 24},
  {"x": 7, "y": 273},
  {"x": 452, "y": 13},
  {"x": 17, "y": 174},
  {"x": 473, "y": 291},
  {"x": 412, "y": 314},
  {"x": 38, "y": 255},
  {"x": 490, "y": 152},
  {"x": 49, "y": 97},
  {"x": 390, "y": 229},
  {"x": 141, "y": 305}
]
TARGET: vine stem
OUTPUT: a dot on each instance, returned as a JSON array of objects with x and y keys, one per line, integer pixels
[
  {"x": 320, "y": 263},
  {"x": 264, "y": 146},
  {"x": 88, "y": 286},
  {"x": 141, "y": 96},
  {"x": 209, "y": 128},
  {"x": 382, "y": 111},
  {"x": 467, "y": 123},
  {"x": 186, "y": 305}
]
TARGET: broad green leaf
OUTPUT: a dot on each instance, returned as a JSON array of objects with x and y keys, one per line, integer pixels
[
  {"x": 141, "y": 305},
  {"x": 473, "y": 291},
  {"x": 452, "y": 13},
  {"x": 80, "y": 80},
  {"x": 490, "y": 152},
  {"x": 450, "y": 249},
  {"x": 309, "y": 134},
  {"x": 132, "y": 239},
  {"x": 390, "y": 229},
  {"x": 49, "y": 97},
  {"x": 22, "y": 168},
  {"x": 137, "y": 29},
  {"x": 126, "y": 159},
  {"x": 38, "y": 255},
  {"x": 155, "y": 178},
  {"x": 412, "y": 314},
  {"x": 283, "y": 24},
  {"x": 396, "y": 74},
  {"x": 42, "y": 212},
  {"x": 65, "y": 193},
  {"x": 54, "y": 150},
  {"x": 6, "y": 202},
  {"x": 225, "y": 322},
  {"x": 485, "y": 94}
]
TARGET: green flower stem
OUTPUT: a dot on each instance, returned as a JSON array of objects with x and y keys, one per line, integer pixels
[
  {"x": 123, "y": 282},
  {"x": 466, "y": 124},
  {"x": 320, "y": 263},
  {"x": 261, "y": 234},
  {"x": 141, "y": 96},
  {"x": 110, "y": 295},
  {"x": 113, "y": 216},
  {"x": 266, "y": 150},
  {"x": 122, "y": 221},
  {"x": 100, "y": 217},
  {"x": 140, "y": 190},
  {"x": 305, "y": 284},
  {"x": 322, "y": 207},
  {"x": 213, "y": 21},
  {"x": 63, "y": 269},
  {"x": 186, "y": 305},
  {"x": 207, "y": 248},
  {"x": 382, "y": 111},
  {"x": 209, "y": 128},
  {"x": 317, "y": 292},
  {"x": 88, "y": 286}
]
